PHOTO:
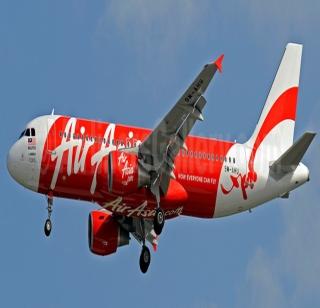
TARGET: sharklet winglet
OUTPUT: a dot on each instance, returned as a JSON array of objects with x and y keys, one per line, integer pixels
[{"x": 218, "y": 63}]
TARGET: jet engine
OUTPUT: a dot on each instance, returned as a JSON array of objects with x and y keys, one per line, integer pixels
[
  {"x": 125, "y": 174},
  {"x": 105, "y": 234}
]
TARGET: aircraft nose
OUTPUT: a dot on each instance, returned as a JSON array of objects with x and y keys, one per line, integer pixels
[
  {"x": 21, "y": 168},
  {"x": 12, "y": 161}
]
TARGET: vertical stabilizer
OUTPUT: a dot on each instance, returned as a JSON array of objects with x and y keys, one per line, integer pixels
[{"x": 275, "y": 127}]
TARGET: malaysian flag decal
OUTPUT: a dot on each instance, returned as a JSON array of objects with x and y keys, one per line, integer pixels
[{"x": 31, "y": 141}]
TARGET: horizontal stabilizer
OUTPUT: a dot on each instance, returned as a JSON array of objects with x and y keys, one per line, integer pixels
[{"x": 290, "y": 159}]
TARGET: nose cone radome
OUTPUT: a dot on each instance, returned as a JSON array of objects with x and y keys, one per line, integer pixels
[
  {"x": 22, "y": 167},
  {"x": 13, "y": 162}
]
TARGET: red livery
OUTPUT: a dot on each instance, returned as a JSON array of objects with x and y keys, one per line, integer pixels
[{"x": 143, "y": 177}]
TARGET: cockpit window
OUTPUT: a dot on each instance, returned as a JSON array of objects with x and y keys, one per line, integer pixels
[
  {"x": 28, "y": 132},
  {"x": 22, "y": 134}
]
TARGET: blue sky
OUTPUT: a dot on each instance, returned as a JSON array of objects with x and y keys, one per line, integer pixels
[{"x": 128, "y": 62}]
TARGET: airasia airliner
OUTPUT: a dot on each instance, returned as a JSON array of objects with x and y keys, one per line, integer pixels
[{"x": 142, "y": 177}]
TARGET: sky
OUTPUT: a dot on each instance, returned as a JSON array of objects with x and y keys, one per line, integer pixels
[{"x": 128, "y": 62}]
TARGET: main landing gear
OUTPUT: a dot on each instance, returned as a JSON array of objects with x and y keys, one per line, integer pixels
[
  {"x": 145, "y": 259},
  {"x": 158, "y": 221},
  {"x": 48, "y": 223},
  {"x": 159, "y": 217},
  {"x": 145, "y": 256}
]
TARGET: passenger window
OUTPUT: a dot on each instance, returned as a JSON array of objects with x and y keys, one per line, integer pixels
[
  {"x": 28, "y": 132},
  {"x": 33, "y": 132},
  {"x": 234, "y": 160},
  {"x": 229, "y": 159}
]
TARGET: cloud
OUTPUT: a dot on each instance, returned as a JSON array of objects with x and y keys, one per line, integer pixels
[
  {"x": 289, "y": 275},
  {"x": 300, "y": 245},
  {"x": 289, "y": 17},
  {"x": 285, "y": 10},
  {"x": 164, "y": 27},
  {"x": 166, "y": 24},
  {"x": 263, "y": 283}
]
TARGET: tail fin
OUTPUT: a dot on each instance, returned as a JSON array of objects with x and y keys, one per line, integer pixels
[{"x": 275, "y": 127}]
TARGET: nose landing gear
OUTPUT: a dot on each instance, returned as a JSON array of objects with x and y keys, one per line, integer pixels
[
  {"x": 47, "y": 227},
  {"x": 48, "y": 223}
]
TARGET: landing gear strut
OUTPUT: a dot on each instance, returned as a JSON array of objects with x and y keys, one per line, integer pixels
[{"x": 48, "y": 223}]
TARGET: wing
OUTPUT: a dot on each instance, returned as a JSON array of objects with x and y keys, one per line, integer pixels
[{"x": 159, "y": 149}]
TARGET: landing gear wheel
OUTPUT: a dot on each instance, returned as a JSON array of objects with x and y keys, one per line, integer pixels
[
  {"x": 158, "y": 221},
  {"x": 47, "y": 227},
  {"x": 145, "y": 259},
  {"x": 48, "y": 223}
]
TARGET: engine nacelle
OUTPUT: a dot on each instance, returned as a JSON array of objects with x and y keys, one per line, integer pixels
[
  {"x": 125, "y": 174},
  {"x": 105, "y": 234}
]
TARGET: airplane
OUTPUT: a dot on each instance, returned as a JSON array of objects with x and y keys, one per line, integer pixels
[{"x": 140, "y": 177}]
